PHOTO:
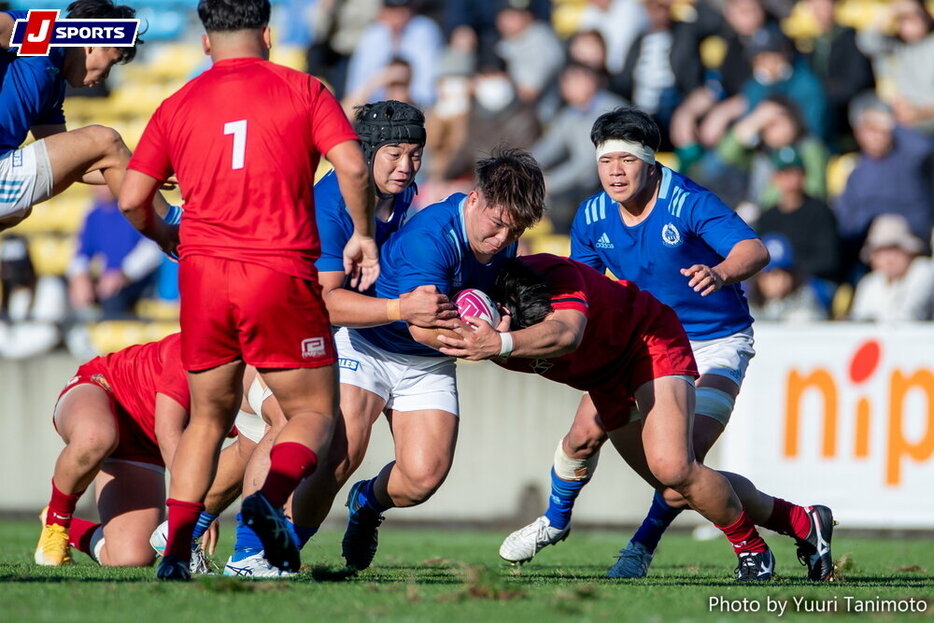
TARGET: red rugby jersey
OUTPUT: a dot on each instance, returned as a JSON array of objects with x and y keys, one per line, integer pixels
[
  {"x": 138, "y": 372},
  {"x": 618, "y": 313},
  {"x": 244, "y": 140}
]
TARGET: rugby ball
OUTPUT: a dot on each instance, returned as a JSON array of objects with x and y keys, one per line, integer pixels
[{"x": 473, "y": 302}]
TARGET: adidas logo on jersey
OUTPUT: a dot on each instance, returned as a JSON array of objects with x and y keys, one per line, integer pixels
[{"x": 604, "y": 242}]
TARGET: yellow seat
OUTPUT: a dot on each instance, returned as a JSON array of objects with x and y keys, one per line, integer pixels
[
  {"x": 153, "y": 331},
  {"x": 157, "y": 309},
  {"x": 290, "y": 56},
  {"x": 136, "y": 100},
  {"x": 51, "y": 253},
  {"x": 842, "y": 300},
  {"x": 838, "y": 172},
  {"x": 669, "y": 159},
  {"x": 556, "y": 244},
  {"x": 801, "y": 23},
  {"x": 712, "y": 51},
  {"x": 109, "y": 336},
  {"x": 566, "y": 16},
  {"x": 542, "y": 228},
  {"x": 175, "y": 61}
]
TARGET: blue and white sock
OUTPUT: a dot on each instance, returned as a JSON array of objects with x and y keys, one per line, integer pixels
[
  {"x": 205, "y": 519},
  {"x": 246, "y": 543},
  {"x": 561, "y": 500},
  {"x": 655, "y": 523}
]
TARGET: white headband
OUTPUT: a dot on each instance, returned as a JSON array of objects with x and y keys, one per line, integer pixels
[{"x": 640, "y": 151}]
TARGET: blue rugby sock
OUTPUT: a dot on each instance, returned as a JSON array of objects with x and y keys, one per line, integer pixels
[
  {"x": 246, "y": 543},
  {"x": 366, "y": 497},
  {"x": 561, "y": 501},
  {"x": 299, "y": 534},
  {"x": 655, "y": 523},
  {"x": 204, "y": 522}
]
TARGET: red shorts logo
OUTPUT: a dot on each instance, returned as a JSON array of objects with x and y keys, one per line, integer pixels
[{"x": 313, "y": 347}]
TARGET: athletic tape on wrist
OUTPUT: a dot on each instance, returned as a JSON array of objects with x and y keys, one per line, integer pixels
[
  {"x": 640, "y": 151},
  {"x": 394, "y": 309},
  {"x": 506, "y": 344}
]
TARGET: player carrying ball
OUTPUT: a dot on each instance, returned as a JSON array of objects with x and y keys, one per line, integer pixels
[{"x": 622, "y": 346}]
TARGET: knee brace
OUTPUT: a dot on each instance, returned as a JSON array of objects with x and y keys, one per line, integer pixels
[
  {"x": 714, "y": 403},
  {"x": 567, "y": 468}
]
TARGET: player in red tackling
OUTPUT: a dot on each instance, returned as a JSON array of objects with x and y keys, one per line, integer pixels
[
  {"x": 244, "y": 139},
  {"x": 619, "y": 344},
  {"x": 121, "y": 417}
]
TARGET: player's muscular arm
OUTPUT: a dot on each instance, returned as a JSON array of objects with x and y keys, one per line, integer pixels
[
  {"x": 424, "y": 307},
  {"x": 361, "y": 258},
  {"x": 136, "y": 203},
  {"x": 560, "y": 333},
  {"x": 170, "y": 420},
  {"x": 745, "y": 259}
]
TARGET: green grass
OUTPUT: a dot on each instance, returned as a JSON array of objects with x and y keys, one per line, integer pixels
[{"x": 446, "y": 577}]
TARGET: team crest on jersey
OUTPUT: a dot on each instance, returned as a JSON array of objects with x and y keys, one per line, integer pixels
[
  {"x": 541, "y": 366},
  {"x": 313, "y": 347},
  {"x": 670, "y": 235}
]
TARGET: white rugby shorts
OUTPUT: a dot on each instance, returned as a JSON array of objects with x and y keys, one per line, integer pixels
[
  {"x": 405, "y": 382},
  {"x": 725, "y": 356},
  {"x": 25, "y": 180}
]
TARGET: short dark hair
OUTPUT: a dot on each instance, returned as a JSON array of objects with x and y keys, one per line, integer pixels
[
  {"x": 512, "y": 179},
  {"x": 524, "y": 292},
  {"x": 233, "y": 15},
  {"x": 105, "y": 9},
  {"x": 628, "y": 124}
]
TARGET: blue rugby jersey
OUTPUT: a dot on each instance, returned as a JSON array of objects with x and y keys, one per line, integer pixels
[
  {"x": 430, "y": 249},
  {"x": 32, "y": 90},
  {"x": 335, "y": 226},
  {"x": 688, "y": 225}
]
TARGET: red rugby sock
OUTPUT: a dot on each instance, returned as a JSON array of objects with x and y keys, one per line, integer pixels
[
  {"x": 289, "y": 463},
  {"x": 61, "y": 507},
  {"x": 182, "y": 519},
  {"x": 788, "y": 519},
  {"x": 80, "y": 533},
  {"x": 743, "y": 535}
]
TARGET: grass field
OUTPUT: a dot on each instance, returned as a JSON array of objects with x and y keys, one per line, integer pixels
[{"x": 446, "y": 577}]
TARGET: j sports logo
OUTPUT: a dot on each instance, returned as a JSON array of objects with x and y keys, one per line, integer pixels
[{"x": 42, "y": 30}]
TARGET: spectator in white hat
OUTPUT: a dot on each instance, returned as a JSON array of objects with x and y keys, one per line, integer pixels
[{"x": 900, "y": 286}]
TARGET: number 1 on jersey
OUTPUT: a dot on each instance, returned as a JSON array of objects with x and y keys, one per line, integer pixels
[{"x": 238, "y": 129}]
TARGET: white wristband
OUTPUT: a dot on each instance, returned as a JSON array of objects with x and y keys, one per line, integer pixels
[{"x": 505, "y": 344}]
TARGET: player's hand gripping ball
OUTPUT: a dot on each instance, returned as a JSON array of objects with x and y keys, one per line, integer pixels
[{"x": 473, "y": 302}]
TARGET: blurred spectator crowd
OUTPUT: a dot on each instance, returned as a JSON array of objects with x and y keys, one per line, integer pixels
[{"x": 814, "y": 119}]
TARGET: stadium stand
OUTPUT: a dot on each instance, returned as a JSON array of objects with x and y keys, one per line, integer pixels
[{"x": 172, "y": 54}]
